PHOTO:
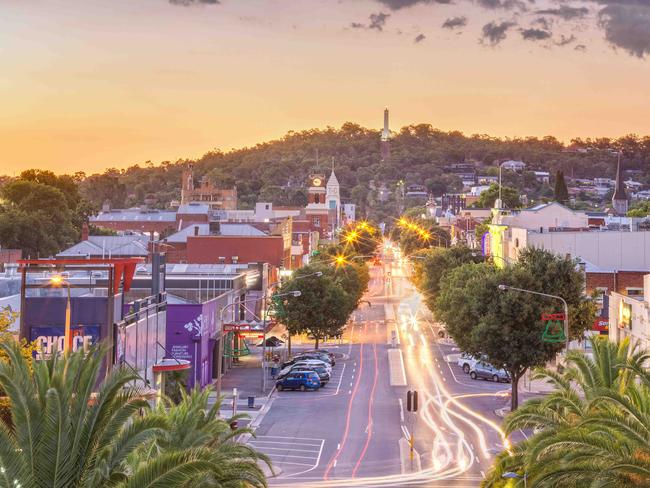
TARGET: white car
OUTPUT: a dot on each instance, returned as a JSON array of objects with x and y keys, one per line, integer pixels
[
  {"x": 307, "y": 362},
  {"x": 467, "y": 362}
]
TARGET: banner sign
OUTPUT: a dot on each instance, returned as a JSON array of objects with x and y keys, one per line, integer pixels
[{"x": 53, "y": 337}]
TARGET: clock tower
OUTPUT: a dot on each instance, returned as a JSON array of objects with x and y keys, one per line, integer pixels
[{"x": 316, "y": 195}]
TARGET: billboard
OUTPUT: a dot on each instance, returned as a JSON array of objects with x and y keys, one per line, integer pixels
[{"x": 51, "y": 337}]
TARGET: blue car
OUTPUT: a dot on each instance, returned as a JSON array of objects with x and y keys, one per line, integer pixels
[{"x": 299, "y": 380}]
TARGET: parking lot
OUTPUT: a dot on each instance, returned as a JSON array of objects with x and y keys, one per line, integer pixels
[{"x": 293, "y": 455}]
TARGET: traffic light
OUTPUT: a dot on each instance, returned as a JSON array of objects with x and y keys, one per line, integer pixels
[{"x": 412, "y": 401}]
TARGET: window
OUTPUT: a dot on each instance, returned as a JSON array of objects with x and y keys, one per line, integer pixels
[
  {"x": 316, "y": 222},
  {"x": 634, "y": 292}
]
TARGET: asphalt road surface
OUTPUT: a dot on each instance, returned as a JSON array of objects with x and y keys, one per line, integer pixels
[{"x": 355, "y": 431}]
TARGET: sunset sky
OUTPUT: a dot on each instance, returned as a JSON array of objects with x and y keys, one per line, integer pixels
[{"x": 91, "y": 84}]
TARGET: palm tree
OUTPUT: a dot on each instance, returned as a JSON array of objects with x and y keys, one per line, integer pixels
[
  {"x": 69, "y": 430},
  {"x": 192, "y": 424},
  {"x": 580, "y": 418}
]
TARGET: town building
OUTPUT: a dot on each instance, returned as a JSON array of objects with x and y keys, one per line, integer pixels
[
  {"x": 629, "y": 316},
  {"x": 217, "y": 198}
]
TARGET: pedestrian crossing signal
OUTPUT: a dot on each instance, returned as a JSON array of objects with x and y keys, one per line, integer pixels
[{"x": 412, "y": 401}]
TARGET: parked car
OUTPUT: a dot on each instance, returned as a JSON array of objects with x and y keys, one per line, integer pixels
[
  {"x": 314, "y": 355},
  {"x": 314, "y": 361},
  {"x": 299, "y": 380},
  {"x": 467, "y": 362},
  {"x": 323, "y": 374},
  {"x": 486, "y": 371},
  {"x": 322, "y": 351},
  {"x": 308, "y": 363}
]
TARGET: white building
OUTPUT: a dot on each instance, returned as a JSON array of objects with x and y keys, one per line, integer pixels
[
  {"x": 629, "y": 316},
  {"x": 513, "y": 165},
  {"x": 542, "y": 176},
  {"x": 566, "y": 232}
]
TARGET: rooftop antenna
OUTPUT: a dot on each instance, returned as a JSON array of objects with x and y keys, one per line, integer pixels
[
  {"x": 316, "y": 158},
  {"x": 332, "y": 164}
]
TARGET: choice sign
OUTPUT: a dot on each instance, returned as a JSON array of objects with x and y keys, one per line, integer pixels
[{"x": 52, "y": 338}]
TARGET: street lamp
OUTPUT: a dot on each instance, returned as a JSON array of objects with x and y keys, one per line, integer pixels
[
  {"x": 531, "y": 292},
  {"x": 58, "y": 280},
  {"x": 511, "y": 475}
]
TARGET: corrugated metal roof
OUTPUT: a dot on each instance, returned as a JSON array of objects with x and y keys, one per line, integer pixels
[
  {"x": 244, "y": 230},
  {"x": 194, "y": 208},
  {"x": 135, "y": 215},
  {"x": 133, "y": 245}
]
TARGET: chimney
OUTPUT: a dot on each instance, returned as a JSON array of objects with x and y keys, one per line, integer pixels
[{"x": 85, "y": 231}]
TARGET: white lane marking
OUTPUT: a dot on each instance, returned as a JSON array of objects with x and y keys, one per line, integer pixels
[
  {"x": 349, "y": 392},
  {"x": 401, "y": 410},
  {"x": 340, "y": 380},
  {"x": 312, "y": 467},
  {"x": 294, "y": 464},
  {"x": 338, "y": 446},
  {"x": 335, "y": 461},
  {"x": 266, "y": 448}
]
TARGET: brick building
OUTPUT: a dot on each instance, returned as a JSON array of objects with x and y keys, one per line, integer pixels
[{"x": 206, "y": 192}]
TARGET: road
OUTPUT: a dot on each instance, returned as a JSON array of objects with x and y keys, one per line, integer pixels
[{"x": 353, "y": 432}]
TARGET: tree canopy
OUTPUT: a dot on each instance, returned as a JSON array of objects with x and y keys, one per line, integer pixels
[
  {"x": 509, "y": 196},
  {"x": 507, "y": 327}
]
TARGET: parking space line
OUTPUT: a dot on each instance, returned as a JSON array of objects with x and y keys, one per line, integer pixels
[
  {"x": 292, "y": 464},
  {"x": 290, "y": 455},
  {"x": 284, "y": 442},
  {"x": 266, "y": 448}
]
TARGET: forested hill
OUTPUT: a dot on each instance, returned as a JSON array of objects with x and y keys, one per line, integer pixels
[{"x": 276, "y": 170}]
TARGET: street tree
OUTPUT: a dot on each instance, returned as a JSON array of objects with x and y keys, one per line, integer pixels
[
  {"x": 507, "y": 326},
  {"x": 561, "y": 192},
  {"x": 432, "y": 264},
  {"x": 322, "y": 309},
  {"x": 360, "y": 239}
]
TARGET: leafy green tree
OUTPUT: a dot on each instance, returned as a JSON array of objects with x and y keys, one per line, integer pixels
[
  {"x": 509, "y": 196},
  {"x": 322, "y": 309},
  {"x": 432, "y": 264},
  {"x": 35, "y": 218},
  {"x": 591, "y": 430},
  {"x": 507, "y": 326},
  {"x": 62, "y": 435},
  {"x": 640, "y": 209},
  {"x": 561, "y": 192}
]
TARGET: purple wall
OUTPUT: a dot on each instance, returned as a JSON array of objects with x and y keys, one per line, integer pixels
[{"x": 191, "y": 333}]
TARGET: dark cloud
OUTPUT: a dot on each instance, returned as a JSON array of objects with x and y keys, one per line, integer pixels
[
  {"x": 455, "y": 22},
  {"x": 495, "y": 32},
  {"x": 564, "y": 40},
  {"x": 398, "y": 4},
  {"x": 627, "y": 25},
  {"x": 580, "y": 47},
  {"x": 566, "y": 12},
  {"x": 189, "y": 3},
  {"x": 543, "y": 23},
  {"x": 502, "y": 4},
  {"x": 419, "y": 38},
  {"x": 378, "y": 21},
  {"x": 535, "y": 34}
]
